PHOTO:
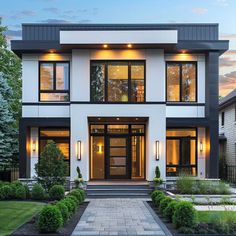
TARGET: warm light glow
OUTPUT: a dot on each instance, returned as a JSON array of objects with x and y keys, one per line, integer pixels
[
  {"x": 105, "y": 45},
  {"x": 78, "y": 150},
  {"x": 52, "y": 56},
  {"x": 100, "y": 149},
  {"x": 129, "y": 45},
  {"x": 183, "y": 51},
  {"x": 157, "y": 150},
  {"x": 52, "y": 50},
  {"x": 201, "y": 146},
  {"x": 33, "y": 145}
]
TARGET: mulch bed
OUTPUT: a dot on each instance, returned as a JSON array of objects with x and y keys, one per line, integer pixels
[
  {"x": 30, "y": 227},
  {"x": 172, "y": 228}
]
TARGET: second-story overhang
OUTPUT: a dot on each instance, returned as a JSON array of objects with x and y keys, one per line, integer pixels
[{"x": 118, "y": 39}]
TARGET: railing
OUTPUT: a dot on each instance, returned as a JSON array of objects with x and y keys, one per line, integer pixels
[
  {"x": 230, "y": 174},
  {"x": 9, "y": 174}
]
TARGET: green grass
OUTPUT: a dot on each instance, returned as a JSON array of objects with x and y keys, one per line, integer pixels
[
  {"x": 15, "y": 213},
  {"x": 208, "y": 216}
]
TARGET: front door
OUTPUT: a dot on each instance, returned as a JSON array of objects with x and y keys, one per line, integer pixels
[{"x": 118, "y": 157}]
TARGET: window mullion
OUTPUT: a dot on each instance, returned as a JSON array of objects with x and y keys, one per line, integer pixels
[
  {"x": 54, "y": 76},
  {"x": 180, "y": 81},
  {"x": 106, "y": 82},
  {"x": 129, "y": 81}
]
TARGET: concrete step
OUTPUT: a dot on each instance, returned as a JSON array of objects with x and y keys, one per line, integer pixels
[{"x": 117, "y": 195}]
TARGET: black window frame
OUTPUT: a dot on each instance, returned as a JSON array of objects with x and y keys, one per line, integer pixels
[
  {"x": 180, "y": 138},
  {"x": 54, "y": 90},
  {"x": 181, "y": 63},
  {"x": 55, "y": 138},
  {"x": 222, "y": 118},
  {"x": 129, "y": 63}
]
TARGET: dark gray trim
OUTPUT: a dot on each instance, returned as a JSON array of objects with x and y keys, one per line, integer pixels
[
  {"x": 211, "y": 111},
  {"x": 45, "y": 103},
  {"x": 227, "y": 103},
  {"x": 24, "y": 138},
  {"x": 186, "y": 122}
]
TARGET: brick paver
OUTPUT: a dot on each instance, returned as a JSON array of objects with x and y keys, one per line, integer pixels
[{"x": 117, "y": 217}]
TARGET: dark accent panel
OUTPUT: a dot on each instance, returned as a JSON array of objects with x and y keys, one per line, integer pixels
[
  {"x": 184, "y": 104},
  {"x": 24, "y": 138},
  {"x": 185, "y": 31},
  {"x": 186, "y": 122},
  {"x": 46, "y": 104},
  {"x": 211, "y": 111},
  {"x": 124, "y": 103}
]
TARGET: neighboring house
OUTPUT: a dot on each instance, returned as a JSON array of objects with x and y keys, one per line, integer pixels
[
  {"x": 227, "y": 127},
  {"x": 121, "y": 99}
]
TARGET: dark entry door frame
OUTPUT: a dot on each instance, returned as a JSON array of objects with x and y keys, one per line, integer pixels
[{"x": 126, "y": 156}]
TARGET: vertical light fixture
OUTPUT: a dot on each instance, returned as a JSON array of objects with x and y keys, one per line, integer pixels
[
  {"x": 78, "y": 150},
  {"x": 201, "y": 146},
  {"x": 157, "y": 150},
  {"x": 33, "y": 145}
]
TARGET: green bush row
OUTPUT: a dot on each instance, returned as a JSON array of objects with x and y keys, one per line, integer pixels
[
  {"x": 181, "y": 214},
  {"x": 53, "y": 216}
]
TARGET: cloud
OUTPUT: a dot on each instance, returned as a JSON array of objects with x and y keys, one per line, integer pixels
[
  {"x": 56, "y": 21},
  {"x": 27, "y": 13},
  {"x": 199, "y": 10},
  {"x": 228, "y": 36},
  {"x": 51, "y": 9},
  {"x": 13, "y": 33},
  {"x": 227, "y": 61},
  {"x": 223, "y": 3},
  {"x": 227, "y": 83}
]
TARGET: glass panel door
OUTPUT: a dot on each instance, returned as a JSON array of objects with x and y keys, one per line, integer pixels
[{"x": 118, "y": 158}]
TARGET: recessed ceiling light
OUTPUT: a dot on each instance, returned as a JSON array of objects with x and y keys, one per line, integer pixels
[
  {"x": 117, "y": 118},
  {"x": 105, "y": 45},
  {"x": 129, "y": 45}
]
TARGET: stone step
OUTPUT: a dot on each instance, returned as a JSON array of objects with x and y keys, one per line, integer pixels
[{"x": 117, "y": 195}]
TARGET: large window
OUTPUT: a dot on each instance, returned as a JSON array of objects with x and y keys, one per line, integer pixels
[
  {"x": 117, "y": 81},
  {"x": 54, "y": 81},
  {"x": 181, "y": 151},
  {"x": 181, "y": 84},
  {"x": 61, "y": 136}
]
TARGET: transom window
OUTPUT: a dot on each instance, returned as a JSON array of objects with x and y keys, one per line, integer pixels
[
  {"x": 61, "y": 136},
  {"x": 54, "y": 81},
  {"x": 181, "y": 82},
  {"x": 181, "y": 151},
  {"x": 117, "y": 81}
]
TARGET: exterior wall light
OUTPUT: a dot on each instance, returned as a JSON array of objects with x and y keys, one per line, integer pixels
[
  {"x": 105, "y": 45},
  {"x": 157, "y": 150},
  {"x": 33, "y": 145},
  {"x": 129, "y": 45},
  {"x": 78, "y": 150},
  {"x": 201, "y": 146}
]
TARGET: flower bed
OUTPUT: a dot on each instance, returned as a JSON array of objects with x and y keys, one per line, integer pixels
[{"x": 181, "y": 217}]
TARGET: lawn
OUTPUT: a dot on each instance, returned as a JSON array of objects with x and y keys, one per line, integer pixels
[
  {"x": 15, "y": 213},
  {"x": 208, "y": 216}
]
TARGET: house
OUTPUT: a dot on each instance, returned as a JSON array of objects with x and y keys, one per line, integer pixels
[
  {"x": 227, "y": 127},
  {"x": 120, "y": 99}
]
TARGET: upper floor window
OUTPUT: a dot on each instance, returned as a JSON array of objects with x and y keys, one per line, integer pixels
[
  {"x": 117, "y": 81},
  {"x": 54, "y": 81},
  {"x": 181, "y": 83}
]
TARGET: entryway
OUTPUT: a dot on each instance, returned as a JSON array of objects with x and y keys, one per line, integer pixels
[{"x": 117, "y": 150}]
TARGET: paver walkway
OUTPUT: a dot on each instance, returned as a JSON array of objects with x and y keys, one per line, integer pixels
[{"x": 117, "y": 217}]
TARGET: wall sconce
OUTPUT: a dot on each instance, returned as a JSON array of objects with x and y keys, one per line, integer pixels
[
  {"x": 33, "y": 145},
  {"x": 157, "y": 150},
  {"x": 78, "y": 150},
  {"x": 201, "y": 146},
  {"x": 100, "y": 151}
]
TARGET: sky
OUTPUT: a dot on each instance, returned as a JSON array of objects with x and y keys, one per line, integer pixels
[{"x": 16, "y": 12}]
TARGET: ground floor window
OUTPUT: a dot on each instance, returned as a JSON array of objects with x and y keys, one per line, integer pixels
[
  {"x": 61, "y": 136},
  {"x": 181, "y": 151},
  {"x": 117, "y": 151}
]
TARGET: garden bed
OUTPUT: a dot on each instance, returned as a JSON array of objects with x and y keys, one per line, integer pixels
[
  {"x": 174, "y": 231},
  {"x": 30, "y": 228}
]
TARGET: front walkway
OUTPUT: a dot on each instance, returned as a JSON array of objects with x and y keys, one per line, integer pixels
[{"x": 117, "y": 216}]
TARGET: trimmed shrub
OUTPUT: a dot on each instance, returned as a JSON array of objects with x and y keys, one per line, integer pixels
[
  {"x": 6, "y": 192},
  {"x": 57, "y": 192},
  {"x": 154, "y": 194},
  {"x": 74, "y": 199},
  {"x": 184, "y": 215},
  {"x": 27, "y": 191},
  {"x": 164, "y": 203},
  {"x": 158, "y": 198},
  {"x": 64, "y": 211},
  {"x": 82, "y": 193},
  {"x": 169, "y": 210},
  {"x": 38, "y": 193},
  {"x": 77, "y": 194},
  {"x": 50, "y": 219},
  {"x": 70, "y": 204},
  {"x": 20, "y": 192}
]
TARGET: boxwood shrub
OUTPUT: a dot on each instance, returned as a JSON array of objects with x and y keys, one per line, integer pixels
[
  {"x": 164, "y": 203},
  {"x": 50, "y": 219},
  {"x": 74, "y": 199},
  {"x": 158, "y": 199},
  {"x": 56, "y": 192},
  {"x": 20, "y": 192},
  {"x": 38, "y": 193},
  {"x": 82, "y": 193},
  {"x": 77, "y": 194},
  {"x": 7, "y": 192},
  {"x": 70, "y": 204},
  {"x": 155, "y": 193},
  {"x": 184, "y": 215},
  {"x": 64, "y": 210},
  {"x": 169, "y": 210}
]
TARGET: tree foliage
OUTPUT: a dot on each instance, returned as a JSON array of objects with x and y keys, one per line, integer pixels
[
  {"x": 51, "y": 168},
  {"x": 10, "y": 101}
]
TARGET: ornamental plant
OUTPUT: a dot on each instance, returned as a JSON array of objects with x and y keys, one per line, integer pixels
[
  {"x": 169, "y": 210},
  {"x": 57, "y": 192},
  {"x": 164, "y": 203},
  {"x": 157, "y": 179}
]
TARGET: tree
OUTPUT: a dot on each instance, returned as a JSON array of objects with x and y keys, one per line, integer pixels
[
  {"x": 8, "y": 143},
  {"x": 51, "y": 168},
  {"x": 10, "y": 89}
]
